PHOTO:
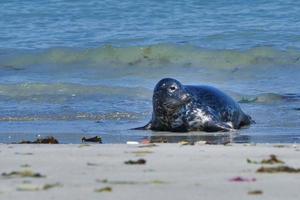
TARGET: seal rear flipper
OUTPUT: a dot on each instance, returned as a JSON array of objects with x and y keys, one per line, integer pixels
[
  {"x": 146, "y": 127},
  {"x": 247, "y": 120},
  {"x": 217, "y": 126}
]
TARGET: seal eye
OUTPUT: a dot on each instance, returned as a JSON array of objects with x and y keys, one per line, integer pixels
[{"x": 172, "y": 88}]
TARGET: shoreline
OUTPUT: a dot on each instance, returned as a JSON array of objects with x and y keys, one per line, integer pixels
[{"x": 170, "y": 171}]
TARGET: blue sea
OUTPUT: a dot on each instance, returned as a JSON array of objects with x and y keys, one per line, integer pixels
[{"x": 83, "y": 68}]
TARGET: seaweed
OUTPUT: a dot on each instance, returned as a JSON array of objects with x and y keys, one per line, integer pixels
[
  {"x": 242, "y": 179},
  {"x": 46, "y": 140},
  {"x": 278, "y": 169},
  {"x": 135, "y": 162},
  {"x": 50, "y": 186},
  {"x": 23, "y": 174},
  {"x": 95, "y": 139},
  {"x": 272, "y": 160},
  {"x": 26, "y": 153},
  {"x": 141, "y": 153},
  {"x": 148, "y": 145},
  {"x": 255, "y": 192},
  {"x": 31, "y": 187},
  {"x": 104, "y": 189},
  {"x": 184, "y": 142},
  {"x": 119, "y": 182},
  {"x": 25, "y": 166},
  {"x": 92, "y": 164}
]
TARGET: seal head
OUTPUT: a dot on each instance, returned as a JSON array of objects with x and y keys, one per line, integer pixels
[
  {"x": 168, "y": 96},
  {"x": 169, "y": 104}
]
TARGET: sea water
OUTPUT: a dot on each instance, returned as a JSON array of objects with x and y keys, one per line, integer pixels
[{"x": 83, "y": 68}]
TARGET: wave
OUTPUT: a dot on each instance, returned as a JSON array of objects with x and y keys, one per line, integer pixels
[
  {"x": 113, "y": 116},
  {"x": 154, "y": 55},
  {"x": 56, "y": 91},
  {"x": 268, "y": 98}
]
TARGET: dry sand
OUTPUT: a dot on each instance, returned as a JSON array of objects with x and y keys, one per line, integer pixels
[{"x": 172, "y": 171}]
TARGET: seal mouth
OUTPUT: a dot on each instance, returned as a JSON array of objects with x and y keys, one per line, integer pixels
[{"x": 185, "y": 98}]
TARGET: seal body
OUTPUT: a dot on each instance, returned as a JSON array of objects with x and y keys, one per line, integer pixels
[{"x": 182, "y": 108}]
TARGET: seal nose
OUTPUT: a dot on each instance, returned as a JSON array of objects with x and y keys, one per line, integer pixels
[{"x": 185, "y": 97}]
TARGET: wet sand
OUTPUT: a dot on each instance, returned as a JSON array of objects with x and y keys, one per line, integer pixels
[{"x": 170, "y": 171}]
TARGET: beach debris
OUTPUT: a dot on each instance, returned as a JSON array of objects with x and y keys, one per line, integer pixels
[
  {"x": 104, "y": 189},
  {"x": 132, "y": 142},
  {"x": 23, "y": 174},
  {"x": 157, "y": 182},
  {"x": 280, "y": 145},
  {"x": 159, "y": 140},
  {"x": 118, "y": 182},
  {"x": 145, "y": 141},
  {"x": 95, "y": 139},
  {"x": 31, "y": 187},
  {"x": 28, "y": 187},
  {"x": 46, "y": 140},
  {"x": 84, "y": 145},
  {"x": 255, "y": 192},
  {"x": 242, "y": 179},
  {"x": 184, "y": 142},
  {"x": 24, "y": 154},
  {"x": 148, "y": 145},
  {"x": 50, "y": 186},
  {"x": 141, "y": 153},
  {"x": 278, "y": 169},
  {"x": 201, "y": 142},
  {"x": 272, "y": 160},
  {"x": 25, "y": 166},
  {"x": 136, "y": 162},
  {"x": 92, "y": 164}
]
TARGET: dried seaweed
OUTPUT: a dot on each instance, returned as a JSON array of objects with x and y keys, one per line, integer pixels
[
  {"x": 120, "y": 182},
  {"x": 278, "y": 169},
  {"x": 95, "y": 139},
  {"x": 31, "y": 187},
  {"x": 50, "y": 186},
  {"x": 272, "y": 160},
  {"x": 147, "y": 145},
  {"x": 25, "y": 166},
  {"x": 46, "y": 140},
  {"x": 141, "y": 153},
  {"x": 92, "y": 164},
  {"x": 135, "y": 162},
  {"x": 242, "y": 179},
  {"x": 255, "y": 192},
  {"x": 105, "y": 189},
  {"x": 26, "y": 153},
  {"x": 22, "y": 174},
  {"x": 184, "y": 142}
]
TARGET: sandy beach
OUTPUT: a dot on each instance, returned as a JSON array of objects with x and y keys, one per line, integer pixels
[{"x": 163, "y": 171}]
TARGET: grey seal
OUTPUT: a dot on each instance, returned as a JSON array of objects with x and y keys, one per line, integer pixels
[{"x": 182, "y": 108}]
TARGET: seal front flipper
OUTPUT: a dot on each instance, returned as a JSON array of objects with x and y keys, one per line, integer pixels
[
  {"x": 146, "y": 127},
  {"x": 213, "y": 126}
]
